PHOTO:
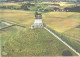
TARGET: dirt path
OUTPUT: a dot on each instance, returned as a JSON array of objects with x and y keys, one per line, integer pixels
[
  {"x": 6, "y": 23},
  {"x": 9, "y": 24}
]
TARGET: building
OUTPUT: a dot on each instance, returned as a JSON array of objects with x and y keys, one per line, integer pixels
[{"x": 38, "y": 21}]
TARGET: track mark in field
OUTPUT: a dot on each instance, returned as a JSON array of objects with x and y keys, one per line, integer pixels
[{"x": 9, "y": 24}]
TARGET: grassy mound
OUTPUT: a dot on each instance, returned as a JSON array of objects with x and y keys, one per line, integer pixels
[
  {"x": 62, "y": 22},
  {"x": 31, "y": 42}
]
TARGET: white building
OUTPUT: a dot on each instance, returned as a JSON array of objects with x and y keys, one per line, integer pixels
[{"x": 38, "y": 21}]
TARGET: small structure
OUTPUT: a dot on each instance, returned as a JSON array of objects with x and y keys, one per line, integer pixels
[{"x": 38, "y": 21}]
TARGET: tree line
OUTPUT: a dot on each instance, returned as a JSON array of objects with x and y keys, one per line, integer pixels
[
  {"x": 43, "y": 0},
  {"x": 18, "y": 0}
]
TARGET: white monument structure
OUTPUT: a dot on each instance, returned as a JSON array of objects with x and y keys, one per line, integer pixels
[{"x": 38, "y": 21}]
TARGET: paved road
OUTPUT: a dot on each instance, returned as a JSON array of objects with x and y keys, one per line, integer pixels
[{"x": 62, "y": 41}]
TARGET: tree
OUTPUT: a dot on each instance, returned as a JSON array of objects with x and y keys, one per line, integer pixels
[{"x": 26, "y": 6}]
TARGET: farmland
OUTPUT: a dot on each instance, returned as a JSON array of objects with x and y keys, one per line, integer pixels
[
  {"x": 18, "y": 16},
  {"x": 7, "y": 4},
  {"x": 66, "y": 24},
  {"x": 62, "y": 21},
  {"x": 39, "y": 42}
]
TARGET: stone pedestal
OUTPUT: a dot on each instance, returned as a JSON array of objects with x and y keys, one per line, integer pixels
[
  {"x": 38, "y": 21},
  {"x": 38, "y": 25}
]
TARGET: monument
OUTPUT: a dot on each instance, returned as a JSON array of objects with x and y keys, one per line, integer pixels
[
  {"x": 38, "y": 17},
  {"x": 38, "y": 21}
]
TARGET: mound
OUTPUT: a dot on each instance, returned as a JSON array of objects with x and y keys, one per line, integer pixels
[{"x": 17, "y": 41}]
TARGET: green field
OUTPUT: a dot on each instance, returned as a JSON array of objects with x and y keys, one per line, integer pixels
[
  {"x": 18, "y": 16},
  {"x": 2, "y": 25},
  {"x": 39, "y": 41},
  {"x": 62, "y": 21},
  {"x": 34, "y": 42},
  {"x": 66, "y": 24}
]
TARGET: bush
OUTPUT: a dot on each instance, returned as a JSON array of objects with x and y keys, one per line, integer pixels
[
  {"x": 56, "y": 4},
  {"x": 48, "y": 9},
  {"x": 56, "y": 8},
  {"x": 73, "y": 9},
  {"x": 26, "y": 6},
  {"x": 51, "y": 9},
  {"x": 10, "y": 7}
]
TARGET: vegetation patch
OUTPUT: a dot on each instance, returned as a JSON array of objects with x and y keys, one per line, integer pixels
[
  {"x": 61, "y": 21},
  {"x": 65, "y": 26},
  {"x": 24, "y": 42},
  {"x": 31, "y": 42},
  {"x": 78, "y": 26},
  {"x": 2, "y": 25}
]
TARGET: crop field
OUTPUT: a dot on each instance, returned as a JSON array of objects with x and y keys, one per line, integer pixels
[
  {"x": 9, "y": 4},
  {"x": 66, "y": 24},
  {"x": 41, "y": 42},
  {"x": 62, "y": 21},
  {"x": 73, "y": 33},
  {"x": 59, "y": 21},
  {"x": 66, "y": 3},
  {"x": 17, "y": 16},
  {"x": 73, "y": 37}
]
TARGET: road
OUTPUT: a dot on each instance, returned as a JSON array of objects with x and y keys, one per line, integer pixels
[{"x": 62, "y": 41}]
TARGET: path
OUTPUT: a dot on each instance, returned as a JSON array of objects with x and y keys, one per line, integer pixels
[
  {"x": 6, "y": 23},
  {"x": 10, "y": 24},
  {"x": 62, "y": 41},
  {"x": 0, "y": 46}
]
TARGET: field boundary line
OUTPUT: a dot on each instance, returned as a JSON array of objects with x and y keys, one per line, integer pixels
[
  {"x": 62, "y": 41},
  {"x": 0, "y": 45},
  {"x": 10, "y": 24}
]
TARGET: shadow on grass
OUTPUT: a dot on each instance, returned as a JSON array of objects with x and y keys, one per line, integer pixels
[{"x": 67, "y": 53}]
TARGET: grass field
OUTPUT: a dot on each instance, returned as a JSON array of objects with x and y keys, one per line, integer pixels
[
  {"x": 19, "y": 3},
  {"x": 17, "y": 16},
  {"x": 62, "y": 22},
  {"x": 9, "y": 4},
  {"x": 34, "y": 42},
  {"x": 73, "y": 37},
  {"x": 2, "y": 25},
  {"x": 65, "y": 23}
]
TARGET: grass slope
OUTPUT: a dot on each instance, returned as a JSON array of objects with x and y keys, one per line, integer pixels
[
  {"x": 32, "y": 42},
  {"x": 73, "y": 38},
  {"x": 65, "y": 23},
  {"x": 62, "y": 22}
]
